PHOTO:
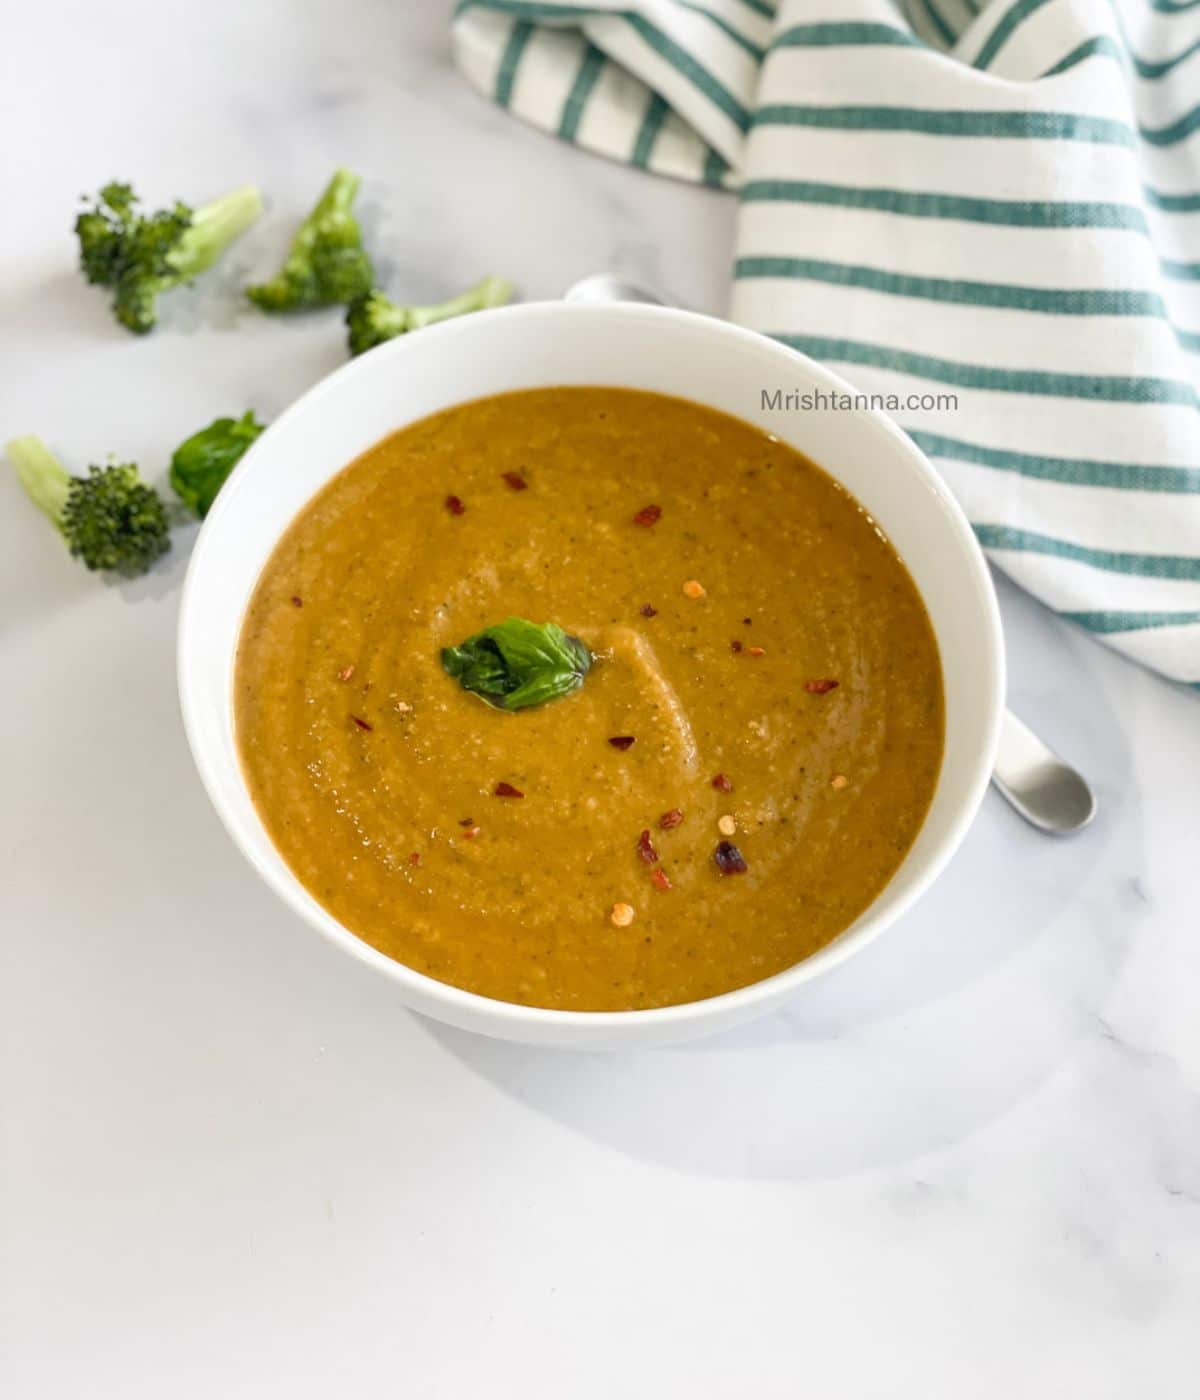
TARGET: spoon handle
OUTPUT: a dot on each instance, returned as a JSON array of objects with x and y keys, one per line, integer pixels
[
  {"x": 1039, "y": 785},
  {"x": 1043, "y": 789},
  {"x": 603, "y": 286}
]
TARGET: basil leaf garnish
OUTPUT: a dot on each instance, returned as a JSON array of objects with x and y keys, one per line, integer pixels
[{"x": 516, "y": 664}]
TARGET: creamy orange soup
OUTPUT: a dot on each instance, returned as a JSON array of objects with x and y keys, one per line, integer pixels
[{"x": 759, "y": 651}]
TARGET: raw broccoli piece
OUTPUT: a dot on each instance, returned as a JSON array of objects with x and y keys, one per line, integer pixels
[
  {"x": 141, "y": 255},
  {"x": 110, "y": 518},
  {"x": 372, "y": 318},
  {"x": 201, "y": 464},
  {"x": 326, "y": 263}
]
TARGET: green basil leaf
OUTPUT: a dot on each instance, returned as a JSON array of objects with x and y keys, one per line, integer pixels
[
  {"x": 201, "y": 464},
  {"x": 516, "y": 664}
]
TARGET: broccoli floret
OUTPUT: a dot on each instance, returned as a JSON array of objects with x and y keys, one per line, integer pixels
[
  {"x": 326, "y": 263},
  {"x": 372, "y": 318},
  {"x": 201, "y": 464},
  {"x": 110, "y": 518},
  {"x": 141, "y": 255}
]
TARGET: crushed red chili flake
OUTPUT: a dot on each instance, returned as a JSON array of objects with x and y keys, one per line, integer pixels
[
  {"x": 722, "y": 783},
  {"x": 649, "y": 611},
  {"x": 415, "y": 858},
  {"x": 645, "y": 849},
  {"x": 729, "y": 859},
  {"x": 345, "y": 673},
  {"x": 466, "y": 821},
  {"x": 735, "y": 645},
  {"x": 756, "y": 651},
  {"x": 820, "y": 686},
  {"x": 297, "y": 601},
  {"x": 515, "y": 480},
  {"x": 454, "y": 505},
  {"x": 362, "y": 723},
  {"x": 749, "y": 621},
  {"x": 670, "y": 819},
  {"x": 622, "y": 741},
  {"x": 507, "y": 790},
  {"x": 648, "y": 515},
  {"x": 471, "y": 833},
  {"x": 660, "y": 878}
]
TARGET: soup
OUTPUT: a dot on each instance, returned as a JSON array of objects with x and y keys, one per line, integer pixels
[{"x": 732, "y": 782}]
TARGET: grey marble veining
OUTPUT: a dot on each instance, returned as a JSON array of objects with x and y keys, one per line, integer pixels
[{"x": 966, "y": 1163}]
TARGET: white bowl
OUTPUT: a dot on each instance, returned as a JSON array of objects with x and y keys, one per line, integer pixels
[{"x": 640, "y": 347}]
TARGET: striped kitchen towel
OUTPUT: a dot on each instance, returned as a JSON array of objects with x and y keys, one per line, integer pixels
[{"x": 996, "y": 201}]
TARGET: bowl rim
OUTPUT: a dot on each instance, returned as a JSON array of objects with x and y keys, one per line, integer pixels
[{"x": 460, "y": 1005}]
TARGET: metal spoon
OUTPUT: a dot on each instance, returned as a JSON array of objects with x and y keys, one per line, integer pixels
[
  {"x": 1047, "y": 792},
  {"x": 1039, "y": 785},
  {"x": 603, "y": 286}
]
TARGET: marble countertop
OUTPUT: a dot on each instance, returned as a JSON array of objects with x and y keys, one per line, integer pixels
[{"x": 967, "y": 1163}]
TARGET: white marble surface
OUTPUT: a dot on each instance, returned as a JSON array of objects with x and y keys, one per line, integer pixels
[{"x": 966, "y": 1164}]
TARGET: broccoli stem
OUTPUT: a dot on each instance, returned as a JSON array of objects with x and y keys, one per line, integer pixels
[
  {"x": 492, "y": 291},
  {"x": 214, "y": 226},
  {"x": 338, "y": 197},
  {"x": 45, "y": 479}
]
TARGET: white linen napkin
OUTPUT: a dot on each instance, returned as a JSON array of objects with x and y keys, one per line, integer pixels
[{"x": 1000, "y": 204}]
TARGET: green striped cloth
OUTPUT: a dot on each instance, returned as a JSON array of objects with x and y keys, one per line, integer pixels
[{"x": 999, "y": 201}]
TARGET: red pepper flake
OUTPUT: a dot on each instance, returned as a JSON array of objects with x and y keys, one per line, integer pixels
[
  {"x": 820, "y": 686},
  {"x": 670, "y": 819},
  {"x": 749, "y": 621},
  {"x": 622, "y": 741},
  {"x": 466, "y": 821},
  {"x": 362, "y": 723},
  {"x": 297, "y": 601},
  {"x": 722, "y": 783},
  {"x": 454, "y": 505},
  {"x": 729, "y": 859},
  {"x": 648, "y": 515},
  {"x": 515, "y": 480},
  {"x": 345, "y": 673},
  {"x": 648, "y": 611},
  {"x": 507, "y": 790},
  {"x": 415, "y": 858},
  {"x": 761, "y": 651},
  {"x": 735, "y": 645},
  {"x": 471, "y": 833},
  {"x": 645, "y": 849},
  {"x": 660, "y": 878}
]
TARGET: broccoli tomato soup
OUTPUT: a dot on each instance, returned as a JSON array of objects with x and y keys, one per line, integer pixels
[{"x": 589, "y": 698}]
